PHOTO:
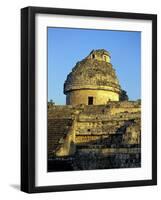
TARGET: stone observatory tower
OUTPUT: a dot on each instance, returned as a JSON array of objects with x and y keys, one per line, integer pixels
[{"x": 93, "y": 81}]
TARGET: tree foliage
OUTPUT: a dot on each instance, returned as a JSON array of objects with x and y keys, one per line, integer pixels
[{"x": 124, "y": 96}]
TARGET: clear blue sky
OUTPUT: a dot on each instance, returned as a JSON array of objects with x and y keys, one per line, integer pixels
[{"x": 66, "y": 46}]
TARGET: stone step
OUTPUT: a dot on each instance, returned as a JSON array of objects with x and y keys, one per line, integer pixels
[{"x": 57, "y": 129}]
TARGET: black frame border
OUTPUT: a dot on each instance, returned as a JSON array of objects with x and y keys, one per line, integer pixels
[{"x": 28, "y": 98}]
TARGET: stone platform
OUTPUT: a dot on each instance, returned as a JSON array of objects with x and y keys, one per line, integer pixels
[{"x": 94, "y": 136}]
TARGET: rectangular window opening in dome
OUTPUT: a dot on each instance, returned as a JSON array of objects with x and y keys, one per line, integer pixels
[{"x": 90, "y": 100}]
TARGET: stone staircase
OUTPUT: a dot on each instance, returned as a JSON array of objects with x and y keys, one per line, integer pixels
[
  {"x": 57, "y": 129},
  {"x": 60, "y": 112}
]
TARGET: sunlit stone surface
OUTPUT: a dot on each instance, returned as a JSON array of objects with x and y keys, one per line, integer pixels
[{"x": 98, "y": 128}]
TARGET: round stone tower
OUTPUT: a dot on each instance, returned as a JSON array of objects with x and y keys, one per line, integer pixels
[{"x": 92, "y": 81}]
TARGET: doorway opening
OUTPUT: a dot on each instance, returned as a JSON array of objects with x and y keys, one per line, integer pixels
[{"x": 90, "y": 100}]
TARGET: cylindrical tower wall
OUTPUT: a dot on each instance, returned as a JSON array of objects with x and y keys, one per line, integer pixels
[{"x": 91, "y": 97}]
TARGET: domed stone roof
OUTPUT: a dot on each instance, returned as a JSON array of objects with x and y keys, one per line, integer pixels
[{"x": 93, "y": 72}]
